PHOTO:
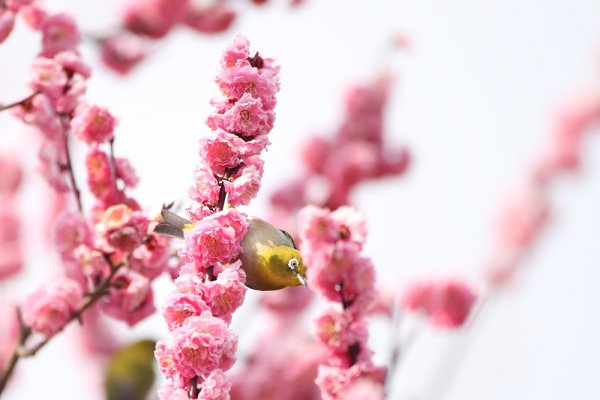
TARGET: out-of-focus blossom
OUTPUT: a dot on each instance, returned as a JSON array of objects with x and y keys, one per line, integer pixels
[
  {"x": 209, "y": 18},
  {"x": 447, "y": 303},
  {"x": 59, "y": 33},
  {"x": 153, "y": 18},
  {"x": 93, "y": 124},
  {"x": 130, "y": 299},
  {"x": 48, "y": 309},
  {"x": 7, "y": 22},
  {"x": 122, "y": 52}
]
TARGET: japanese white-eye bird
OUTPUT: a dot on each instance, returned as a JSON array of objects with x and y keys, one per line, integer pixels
[
  {"x": 130, "y": 372},
  {"x": 270, "y": 258}
]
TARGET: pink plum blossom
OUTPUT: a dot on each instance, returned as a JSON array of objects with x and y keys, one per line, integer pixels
[
  {"x": 216, "y": 386},
  {"x": 101, "y": 179},
  {"x": 130, "y": 299},
  {"x": 199, "y": 346},
  {"x": 126, "y": 172},
  {"x": 71, "y": 231},
  {"x": 93, "y": 124},
  {"x": 124, "y": 229},
  {"x": 48, "y": 309},
  {"x": 215, "y": 239},
  {"x": 59, "y": 33},
  {"x": 180, "y": 306},
  {"x": 245, "y": 185}
]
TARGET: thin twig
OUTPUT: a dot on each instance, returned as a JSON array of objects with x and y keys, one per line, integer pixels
[
  {"x": 24, "y": 333},
  {"x": 69, "y": 165},
  {"x": 113, "y": 161},
  {"x": 19, "y": 102}
]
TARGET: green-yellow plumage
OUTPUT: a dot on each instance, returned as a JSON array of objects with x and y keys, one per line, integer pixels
[
  {"x": 270, "y": 258},
  {"x": 130, "y": 372}
]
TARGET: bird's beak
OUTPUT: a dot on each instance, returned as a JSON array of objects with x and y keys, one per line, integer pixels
[{"x": 302, "y": 279}]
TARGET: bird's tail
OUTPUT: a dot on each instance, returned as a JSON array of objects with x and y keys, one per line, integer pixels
[{"x": 171, "y": 224}]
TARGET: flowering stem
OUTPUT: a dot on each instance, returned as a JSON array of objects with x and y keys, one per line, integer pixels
[
  {"x": 20, "y": 351},
  {"x": 194, "y": 392},
  {"x": 19, "y": 102}
]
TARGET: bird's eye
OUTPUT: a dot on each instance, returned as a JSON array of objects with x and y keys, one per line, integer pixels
[{"x": 293, "y": 264}]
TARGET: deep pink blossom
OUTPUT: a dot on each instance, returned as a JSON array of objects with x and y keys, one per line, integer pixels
[
  {"x": 15, "y": 5},
  {"x": 130, "y": 298},
  {"x": 201, "y": 345},
  {"x": 93, "y": 124},
  {"x": 48, "y": 76},
  {"x": 59, "y": 33},
  {"x": 49, "y": 308}
]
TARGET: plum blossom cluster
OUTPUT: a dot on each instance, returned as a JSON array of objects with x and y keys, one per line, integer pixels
[
  {"x": 11, "y": 255},
  {"x": 210, "y": 286},
  {"x": 331, "y": 244},
  {"x": 357, "y": 152},
  {"x": 146, "y": 21},
  {"x": 110, "y": 255},
  {"x": 523, "y": 217}
]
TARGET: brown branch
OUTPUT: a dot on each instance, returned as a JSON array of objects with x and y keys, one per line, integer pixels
[
  {"x": 113, "y": 161},
  {"x": 19, "y": 102},
  {"x": 21, "y": 351},
  {"x": 25, "y": 332}
]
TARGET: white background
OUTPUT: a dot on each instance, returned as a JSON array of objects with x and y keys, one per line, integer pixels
[{"x": 474, "y": 99}]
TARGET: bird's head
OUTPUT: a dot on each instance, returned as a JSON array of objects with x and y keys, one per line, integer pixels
[{"x": 286, "y": 267}]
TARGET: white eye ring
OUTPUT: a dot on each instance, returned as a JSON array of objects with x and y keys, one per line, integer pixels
[{"x": 293, "y": 264}]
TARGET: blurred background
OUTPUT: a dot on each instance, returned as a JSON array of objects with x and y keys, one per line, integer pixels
[{"x": 474, "y": 98}]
